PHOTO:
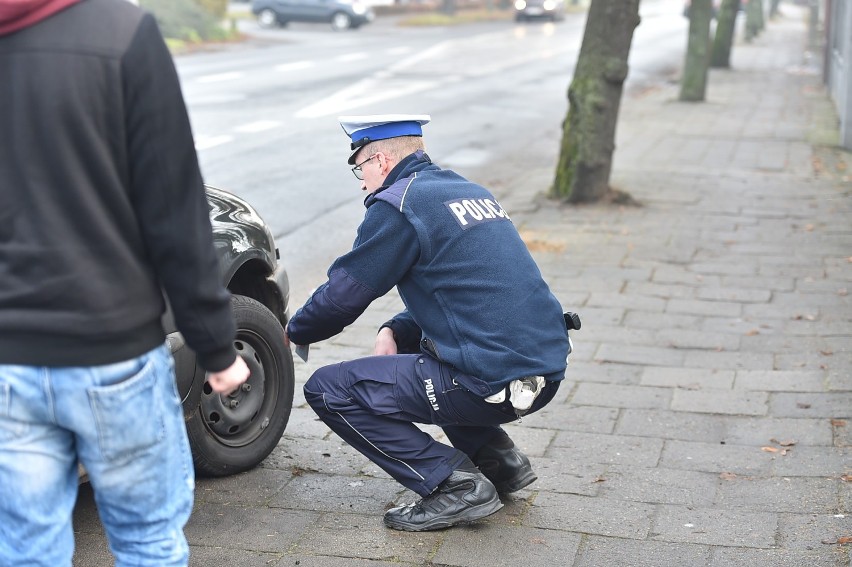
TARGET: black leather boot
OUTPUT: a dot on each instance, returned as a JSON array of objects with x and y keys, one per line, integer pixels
[
  {"x": 462, "y": 498},
  {"x": 505, "y": 466}
]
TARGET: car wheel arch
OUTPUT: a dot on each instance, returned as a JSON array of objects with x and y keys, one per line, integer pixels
[{"x": 253, "y": 278}]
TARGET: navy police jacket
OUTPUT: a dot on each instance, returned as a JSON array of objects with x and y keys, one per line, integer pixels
[{"x": 474, "y": 296}]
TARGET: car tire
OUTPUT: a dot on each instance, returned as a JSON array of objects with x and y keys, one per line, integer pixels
[
  {"x": 235, "y": 433},
  {"x": 341, "y": 21},
  {"x": 267, "y": 19}
]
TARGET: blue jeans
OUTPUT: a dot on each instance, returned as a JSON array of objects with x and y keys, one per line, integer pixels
[{"x": 123, "y": 422}]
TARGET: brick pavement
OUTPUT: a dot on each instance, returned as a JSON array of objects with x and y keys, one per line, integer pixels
[{"x": 706, "y": 419}]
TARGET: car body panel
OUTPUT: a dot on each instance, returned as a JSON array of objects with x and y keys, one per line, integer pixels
[{"x": 242, "y": 241}]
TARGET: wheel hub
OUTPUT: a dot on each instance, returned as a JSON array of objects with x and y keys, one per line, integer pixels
[{"x": 230, "y": 416}]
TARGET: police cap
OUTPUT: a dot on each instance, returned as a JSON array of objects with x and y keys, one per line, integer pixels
[{"x": 365, "y": 129}]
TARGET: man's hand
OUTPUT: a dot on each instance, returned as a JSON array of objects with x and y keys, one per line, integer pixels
[
  {"x": 385, "y": 343},
  {"x": 227, "y": 381}
]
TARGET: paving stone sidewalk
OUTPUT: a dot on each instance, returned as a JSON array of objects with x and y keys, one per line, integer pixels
[{"x": 706, "y": 418}]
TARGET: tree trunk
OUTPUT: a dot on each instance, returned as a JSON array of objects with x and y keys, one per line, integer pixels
[
  {"x": 760, "y": 12},
  {"x": 773, "y": 8},
  {"x": 726, "y": 24},
  {"x": 448, "y": 7},
  {"x": 588, "y": 131},
  {"x": 754, "y": 17},
  {"x": 693, "y": 83}
]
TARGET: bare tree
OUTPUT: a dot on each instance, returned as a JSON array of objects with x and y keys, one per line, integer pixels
[
  {"x": 723, "y": 41},
  {"x": 693, "y": 83},
  {"x": 594, "y": 96}
]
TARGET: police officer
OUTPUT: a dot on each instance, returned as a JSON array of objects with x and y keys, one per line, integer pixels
[{"x": 482, "y": 339}]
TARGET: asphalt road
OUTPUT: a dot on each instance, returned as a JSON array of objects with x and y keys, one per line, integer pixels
[{"x": 264, "y": 112}]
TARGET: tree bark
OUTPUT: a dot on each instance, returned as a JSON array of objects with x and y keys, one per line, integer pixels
[
  {"x": 594, "y": 96},
  {"x": 726, "y": 24},
  {"x": 693, "y": 83},
  {"x": 760, "y": 12},
  {"x": 754, "y": 19},
  {"x": 773, "y": 8},
  {"x": 448, "y": 7}
]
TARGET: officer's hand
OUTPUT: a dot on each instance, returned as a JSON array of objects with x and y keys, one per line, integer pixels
[
  {"x": 385, "y": 343},
  {"x": 228, "y": 380}
]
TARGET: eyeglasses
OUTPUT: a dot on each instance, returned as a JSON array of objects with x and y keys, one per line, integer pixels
[{"x": 357, "y": 171}]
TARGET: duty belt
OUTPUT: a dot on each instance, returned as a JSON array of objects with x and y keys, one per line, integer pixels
[{"x": 522, "y": 393}]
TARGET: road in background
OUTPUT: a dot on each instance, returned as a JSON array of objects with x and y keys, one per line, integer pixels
[{"x": 265, "y": 112}]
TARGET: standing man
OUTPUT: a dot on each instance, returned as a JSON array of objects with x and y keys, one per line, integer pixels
[
  {"x": 481, "y": 342},
  {"x": 102, "y": 207}
]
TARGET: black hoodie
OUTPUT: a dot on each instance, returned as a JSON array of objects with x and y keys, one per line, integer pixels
[{"x": 102, "y": 205}]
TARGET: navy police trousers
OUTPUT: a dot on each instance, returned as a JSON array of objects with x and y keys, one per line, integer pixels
[{"x": 372, "y": 403}]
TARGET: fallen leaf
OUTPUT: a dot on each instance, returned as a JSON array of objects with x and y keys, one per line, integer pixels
[
  {"x": 769, "y": 449},
  {"x": 727, "y": 476},
  {"x": 802, "y": 405},
  {"x": 826, "y": 352},
  {"x": 537, "y": 540},
  {"x": 809, "y": 227},
  {"x": 838, "y": 423},
  {"x": 846, "y": 478},
  {"x": 788, "y": 443},
  {"x": 842, "y": 291},
  {"x": 752, "y": 333},
  {"x": 599, "y": 479},
  {"x": 799, "y": 317},
  {"x": 840, "y": 540}
]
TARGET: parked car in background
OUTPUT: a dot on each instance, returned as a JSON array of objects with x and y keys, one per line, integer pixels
[
  {"x": 341, "y": 14},
  {"x": 553, "y": 10}
]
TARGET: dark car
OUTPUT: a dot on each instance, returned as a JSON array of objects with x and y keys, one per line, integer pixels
[
  {"x": 553, "y": 10},
  {"x": 341, "y": 14},
  {"x": 234, "y": 433}
]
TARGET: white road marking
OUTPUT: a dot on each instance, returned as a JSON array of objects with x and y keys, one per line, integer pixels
[
  {"x": 219, "y": 77},
  {"x": 362, "y": 93},
  {"x": 377, "y": 88},
  {"x": 352, "y": 57},
  {"x": 399, "y": 50},
  {"x": 258, "y": 126},
  {"x": 294, "y": 66},
  {"x": 207, "y": 142}
]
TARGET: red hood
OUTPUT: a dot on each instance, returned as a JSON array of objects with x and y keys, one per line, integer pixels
[{"x": 19, "y": 14}]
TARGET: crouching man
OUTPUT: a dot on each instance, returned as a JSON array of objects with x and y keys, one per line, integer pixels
[{"x": 482, "y": 339}]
